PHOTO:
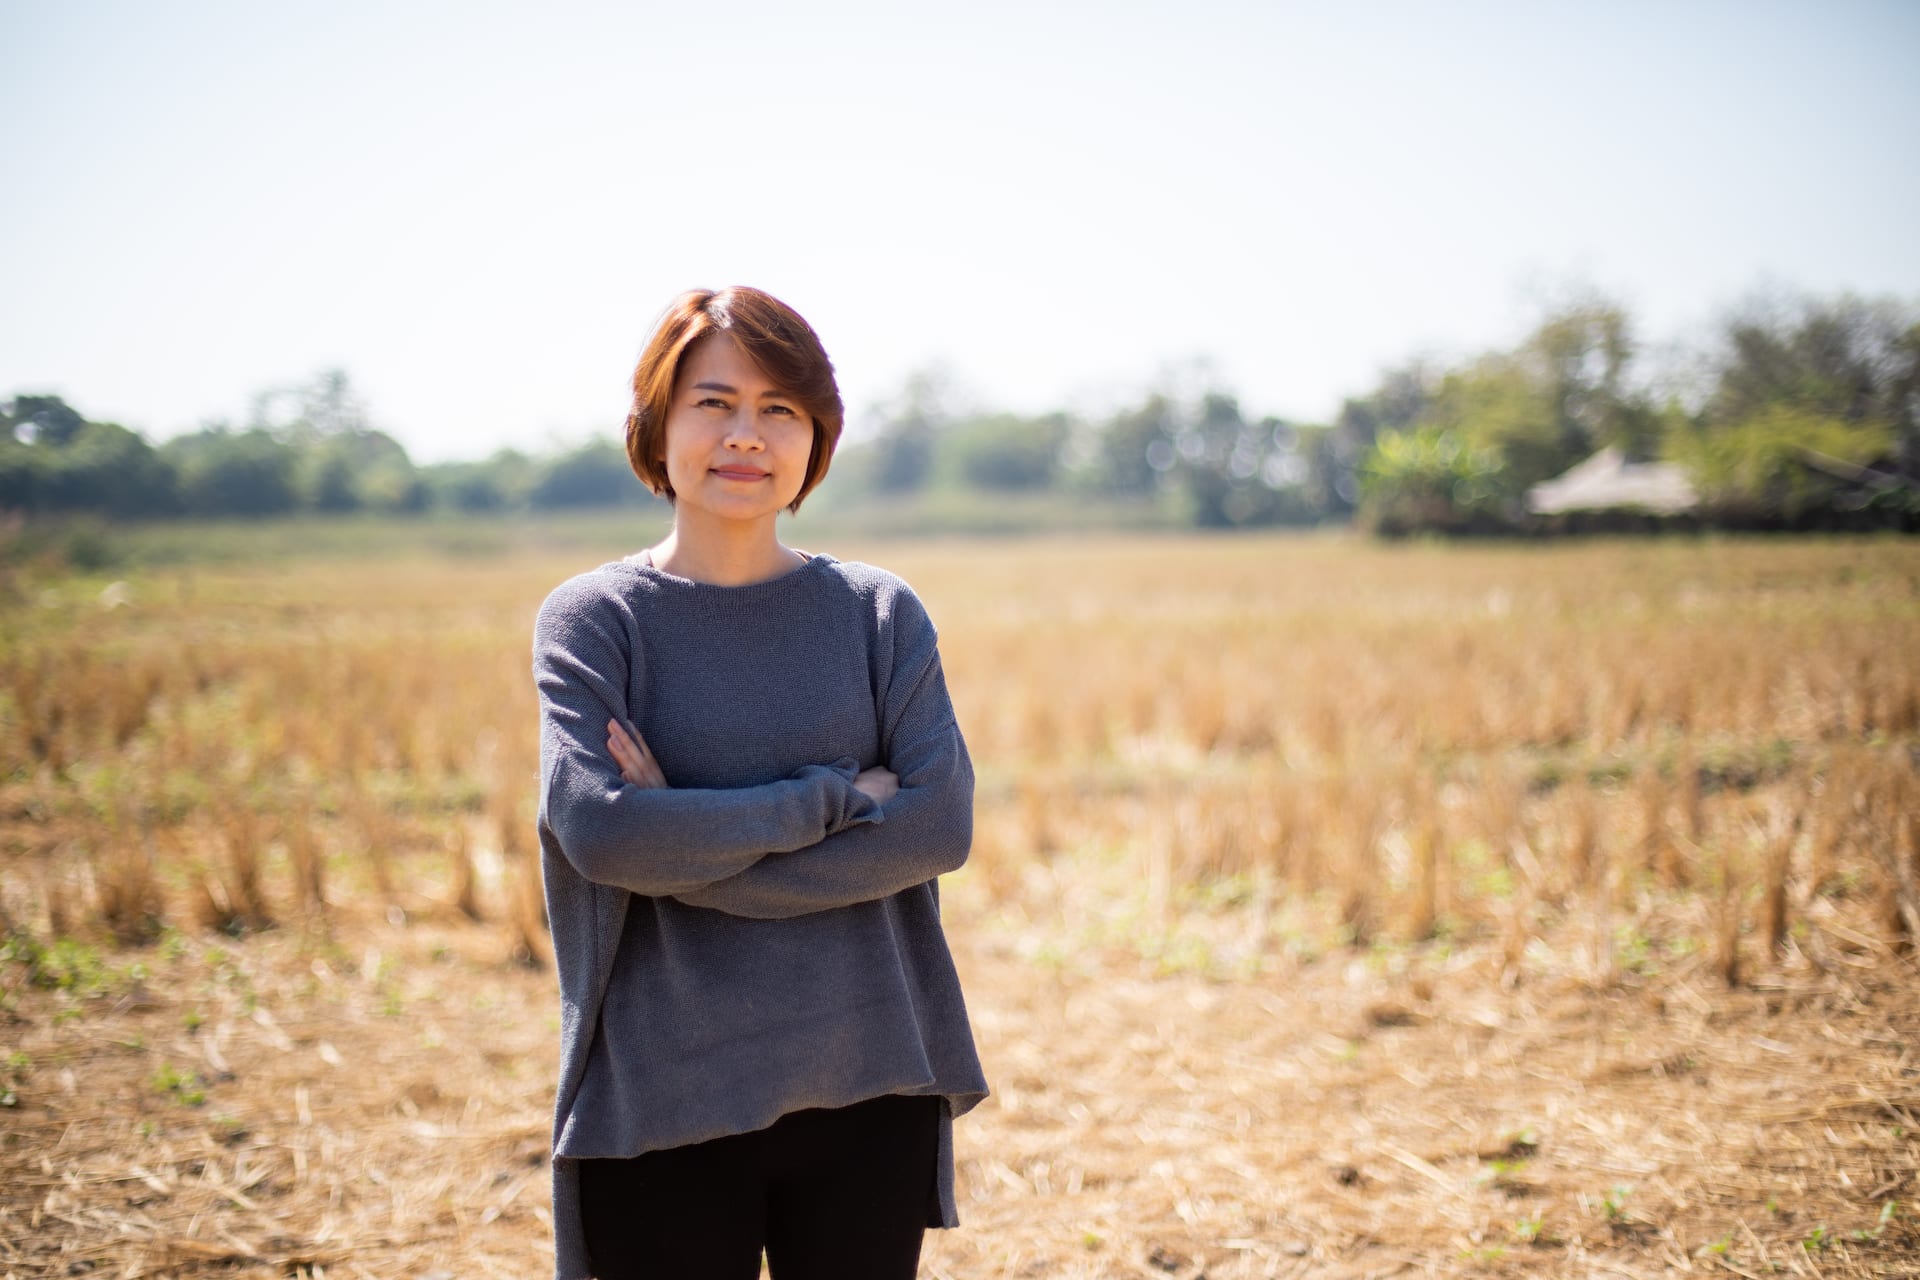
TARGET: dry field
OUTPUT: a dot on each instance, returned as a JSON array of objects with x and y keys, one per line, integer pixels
[{"x": 1336, "y": 910}]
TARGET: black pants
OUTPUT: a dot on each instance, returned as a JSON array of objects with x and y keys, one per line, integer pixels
[{"x": 842, "y": 1194}]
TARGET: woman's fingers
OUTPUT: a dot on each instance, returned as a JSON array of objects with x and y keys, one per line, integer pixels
[
  {"x": 630, "y": 736},
  {"x": 629, "y": 751},
  {"x": 621, "y": 747},
  {"x": 623, "y": 759},
  {"x": 649, "y": 766},
  {"x": 880, "y": 783}
]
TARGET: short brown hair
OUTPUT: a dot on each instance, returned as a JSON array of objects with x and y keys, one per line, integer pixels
[{"x": 773, "y": 336}]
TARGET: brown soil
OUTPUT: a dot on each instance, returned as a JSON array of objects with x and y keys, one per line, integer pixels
[{"x": 374, "y": 1101}]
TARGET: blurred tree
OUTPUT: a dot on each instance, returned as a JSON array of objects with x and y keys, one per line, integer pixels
[
  {"x": 594, "y": 475},
  {"x": 325, "y": 480},
  {"x": 224, "y": 472},
  {"x": 495, "y": 484},
  {"x": 1428, "y": 479},
  {"x": 1578, "y": 357},
  {"x": 395, "y": 488},
  {"x": 1500, "y": 406},
  {"x": 1400, "y": 399},
  {"x": 1211, "y": 452},
  {"x": 1125, "y": 448},
  {"x": 23, "y": 475},
  {"x": 106, "y": 468},
  {"x": 903, "y": 451},
  {"x": 1459, "y": 451},
  {"x": 1775, "y": 466},
  {"x": 355, "y": 468},
  {"x": 1847, "y": 358},
  {"x": 44, "y": 420},
  {"x": 330, "y": 405},
  {"x": 1004, "y": 451},
  {"x": 302, "y": 413},
  {"x": 53, "y": 459},
  {"x": 1304, "y": 474},
  {"x": 1227, "y": 471},
  {"x": 514, "y": 474},
  {"x": 342, "y": 462},
  {"x": 1235, "y": 473}
]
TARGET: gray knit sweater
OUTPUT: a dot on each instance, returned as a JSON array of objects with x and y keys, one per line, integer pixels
[{"x": 758, "y": 937}]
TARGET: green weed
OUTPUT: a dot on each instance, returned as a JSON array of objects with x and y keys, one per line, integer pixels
[
  {"x": 1503, "y": 1171},
  {"x": 63, "y": 965},
  {"x": 1635, "y": 951},
  {"x": 1888, "y": 1212},
  {"x": 186, "y": 1088}
]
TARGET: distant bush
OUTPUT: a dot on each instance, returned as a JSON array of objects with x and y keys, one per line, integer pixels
[
  {"x": 593, "y": 475},
  {"x": 228, "y": 473}
]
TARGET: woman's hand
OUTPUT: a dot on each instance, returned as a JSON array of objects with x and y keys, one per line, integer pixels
[
  {"x": 637, "y": 765},
  {"x": 880, "y": 783}
]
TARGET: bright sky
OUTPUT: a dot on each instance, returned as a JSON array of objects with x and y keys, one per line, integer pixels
[{"x": 479, "y": 209}]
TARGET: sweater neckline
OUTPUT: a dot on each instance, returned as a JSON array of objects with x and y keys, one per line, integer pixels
[{"x": 816, "y": 562}]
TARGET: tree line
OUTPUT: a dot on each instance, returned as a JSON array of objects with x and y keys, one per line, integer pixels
[
  {"x": 1798, "y": 412},
  {"x": 305, "y": 449}
]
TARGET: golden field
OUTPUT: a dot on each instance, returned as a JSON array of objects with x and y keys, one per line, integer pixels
[{"x": 1336, "y": 909}]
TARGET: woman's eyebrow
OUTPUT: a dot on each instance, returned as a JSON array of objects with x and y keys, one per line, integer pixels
[{"x": 770, "y": 394}]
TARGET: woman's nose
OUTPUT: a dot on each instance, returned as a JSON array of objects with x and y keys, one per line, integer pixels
[{"x": 744, "y": 433}]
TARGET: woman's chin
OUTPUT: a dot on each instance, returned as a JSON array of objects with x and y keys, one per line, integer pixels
[{"x": 738, "y": 514}]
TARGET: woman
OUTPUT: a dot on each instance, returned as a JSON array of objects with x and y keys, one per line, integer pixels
[{"x": 751, "y": 776}]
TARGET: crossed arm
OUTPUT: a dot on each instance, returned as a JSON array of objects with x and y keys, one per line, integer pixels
[
  {"x": 639, "y": 768},
  {"x": 827, "y": 836}
]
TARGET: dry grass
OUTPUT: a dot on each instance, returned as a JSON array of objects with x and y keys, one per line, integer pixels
[{"x": 1335, "y": 910}]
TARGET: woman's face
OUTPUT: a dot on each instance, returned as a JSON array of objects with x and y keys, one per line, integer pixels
[{"x": 735, "y": 447}]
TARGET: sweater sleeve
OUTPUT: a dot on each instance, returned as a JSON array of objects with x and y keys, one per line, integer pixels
[
  {"x": 924, "y": 831},
  {"x": 654, "y": 841}
]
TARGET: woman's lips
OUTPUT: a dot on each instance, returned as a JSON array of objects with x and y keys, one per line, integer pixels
[{"x": 740, "y": 473}]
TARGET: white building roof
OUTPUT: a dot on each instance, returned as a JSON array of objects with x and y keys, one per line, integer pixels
[{"x": 1607, "y": 481}]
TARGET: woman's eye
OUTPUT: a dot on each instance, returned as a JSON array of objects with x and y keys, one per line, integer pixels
[
  {"x": 710, "y": 401},
  {"x": 780, "y": 408}
]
